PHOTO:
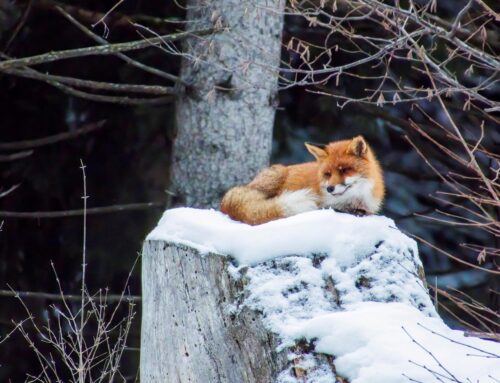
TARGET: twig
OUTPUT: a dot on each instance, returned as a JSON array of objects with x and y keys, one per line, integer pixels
[
  {"x": 123, "y": 100},
  {"x": 120, "y": 55},
  {"x": 36, "y": 143},
  {"x": 437, "y": 375},
  {"x": 96, "y": 356},
  {"x": 81, "y": 370},
  {"x": 103, "y": 18},
  {"x": 19, "y": 26},
  {"x": 90, "y": 96},
  {"x": 96, "y": 85},
  {"x": 9, "y": 190},
  {"x": 432, "y": 356},
  {"x": 117, "y": 18},
  {"x": 486, "y": 317},
  {"x": 79, "y": 212},
  {"x": 69, "y": 297},
  {"x": 490, "y": 11},
  {"x": 456, "y": 342},
  {"x": 15, "y": 156},
  {"x": 16, "y": 328},
  {"x": 103, "y": 50},
  {"x": 458, "y": 19},
  {"x": 452, "y": 256},
  {"x": 472, "y": 157}
]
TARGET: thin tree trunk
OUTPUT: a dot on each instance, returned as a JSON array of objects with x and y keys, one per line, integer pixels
[{"x": 225, "y": 120}]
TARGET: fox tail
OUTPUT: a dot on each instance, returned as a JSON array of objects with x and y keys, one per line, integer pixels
[{"x": 262, "y": 200}]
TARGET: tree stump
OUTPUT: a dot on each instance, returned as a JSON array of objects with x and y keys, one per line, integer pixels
[
  {"x": 225, "y": 302},
  {"x": 189, "y": 330},
  {"x": 207, "y": 320}
]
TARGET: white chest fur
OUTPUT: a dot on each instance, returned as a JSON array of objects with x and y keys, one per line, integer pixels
[
  {"x": 299, "y": 201},
  {"x": 357, "y": 195}
]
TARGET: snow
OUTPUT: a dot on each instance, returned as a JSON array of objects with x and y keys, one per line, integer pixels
[
  {"x": 350, "y": 287},
  {"x": 343, "y": 236},
  {"x": 373, "y": 343}
]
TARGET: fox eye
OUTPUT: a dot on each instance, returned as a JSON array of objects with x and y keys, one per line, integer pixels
[
  {"x": 327, "y": 174},
  {"x": 344, "y": 170}
]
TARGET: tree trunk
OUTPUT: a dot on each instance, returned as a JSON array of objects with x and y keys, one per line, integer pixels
[{"x": 225, "y": 119}]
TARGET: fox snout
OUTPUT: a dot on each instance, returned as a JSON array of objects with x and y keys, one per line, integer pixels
[{"x": 337, "y": 189}]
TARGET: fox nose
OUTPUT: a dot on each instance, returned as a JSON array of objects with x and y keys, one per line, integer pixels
[{"x": 330, "y": 189}]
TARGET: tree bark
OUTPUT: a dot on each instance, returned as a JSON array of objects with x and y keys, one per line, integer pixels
[
  {"x": 189, "y": 333},
  {"x": 225, "y": 119}
]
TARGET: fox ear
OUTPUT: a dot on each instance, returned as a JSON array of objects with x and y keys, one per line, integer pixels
[
  {"x": 318, "y": 152},
  {"x": 358, "y": 146}
]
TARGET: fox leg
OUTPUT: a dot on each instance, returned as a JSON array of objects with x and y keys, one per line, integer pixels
[{"x": 270, "y": 180}]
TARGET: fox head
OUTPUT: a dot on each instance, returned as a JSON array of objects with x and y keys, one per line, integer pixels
[{"x": 349, "y": 174}]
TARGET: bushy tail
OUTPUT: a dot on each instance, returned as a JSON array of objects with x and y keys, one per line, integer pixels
[
  {"x": 249, "y": 205},
  {"x": 264, "y": 200},
  {"x": 255, "y": 203}
]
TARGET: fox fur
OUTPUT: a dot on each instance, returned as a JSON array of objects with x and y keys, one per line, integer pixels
[{"x": 346, "y": 176}]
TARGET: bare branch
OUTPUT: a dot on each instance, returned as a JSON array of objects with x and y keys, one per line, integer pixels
[
  {"x": 104, "y": 50},
  {"x": 69, "y": 297},
  {"x": 15, "y": 156},
  {"x": 79, "y": 212},
  {"x": 120, "y": 55},
  {"x": 19, "y": 26},
  {"x": 49, "y": 140},
  {"x": 95, "y": 85}
]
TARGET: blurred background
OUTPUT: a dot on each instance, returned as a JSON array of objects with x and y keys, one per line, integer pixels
[{"x": 127, "y": 159}]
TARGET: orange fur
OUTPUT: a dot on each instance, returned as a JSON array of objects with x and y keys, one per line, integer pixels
[{"x": 338, "y": 163}]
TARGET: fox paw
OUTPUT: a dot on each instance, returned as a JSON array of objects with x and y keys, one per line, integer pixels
[{"x": 357, "y": 212}]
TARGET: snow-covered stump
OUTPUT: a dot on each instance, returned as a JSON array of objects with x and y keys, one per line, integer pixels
[{"x": 321, "y": 297}]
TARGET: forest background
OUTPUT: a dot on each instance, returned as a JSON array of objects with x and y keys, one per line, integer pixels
[{"x": 126, "y": 145}]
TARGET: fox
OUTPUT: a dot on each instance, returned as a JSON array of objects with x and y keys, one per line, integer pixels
[{"x": 346, "y": 177}]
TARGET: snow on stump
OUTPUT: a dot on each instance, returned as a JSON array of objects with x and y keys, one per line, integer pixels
[{"x": 320, "y": 297}]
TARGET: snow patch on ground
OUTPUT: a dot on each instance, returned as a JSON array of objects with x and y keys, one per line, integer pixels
[{"x": 348, "y": 288}]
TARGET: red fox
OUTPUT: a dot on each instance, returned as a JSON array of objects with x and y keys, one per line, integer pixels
[{"x": 346, "y": 176}]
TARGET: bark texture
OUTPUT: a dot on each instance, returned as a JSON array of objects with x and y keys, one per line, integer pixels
[
  {"x": 202, "y": 321},
  {"x": 189, "y": 332},
  {"x": 225, "y": 119}
]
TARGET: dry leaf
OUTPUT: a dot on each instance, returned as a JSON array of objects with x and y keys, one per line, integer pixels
[
  {"x": 380, "y": 99},
  {"x": 334, "y": 6},
  {"x": 430, "y": 93},
  {"x": 395, "y": 98},
  {"x": 433, "y": 8},
  {"x": 481, "y": 258}
]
